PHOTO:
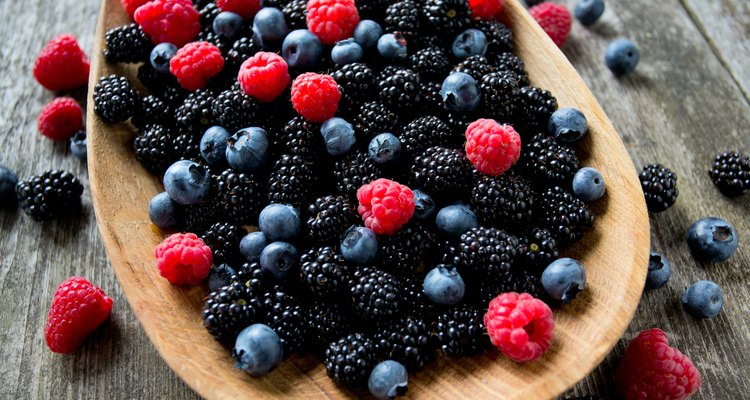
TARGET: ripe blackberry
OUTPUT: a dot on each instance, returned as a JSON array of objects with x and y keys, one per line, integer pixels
[
  {"x": 376, "y": 294},
  {"x": 564, "y": 215},
  {"x": 373, "y": 119},
  {"x": 408, "y": 341},
  {"x": 477, "y": 66},
  {"x": 398, "y": 87},
  {"x": 324, "y": 271},
  {"x": 208, "y": 13},
  {"x": 229, "y": 310},
  {"x": 431, "y": 62},
  {"x": 115, "y": 100},
  {"x": 242, "y": 49},
  {"x": 350, "y": 359},
  {"x": 447, "y": 17},
  {"x": 234, "y": 110},
  {"x": 199, "y": 217},
  {"x": 173, "y": 94},
  {"x": 432, "y": 100},
  {"x": 503, "y": 200},
  {"x": 207, "y": 34},
  {"x": 240, "y": 195},
  {"x": 201, "y": 4},
  {"x": 548, "y": 161},
  {"x": 425, "y": 41},
  {"x": 153, "y": 148},
  {"x": 53, "y": 194},
  {"x": 534, "y": 108},
  {"x": 442, "y": 171},
  {"x": 186, "y": 146},
  {"x": 425, "y": 132},
  {"x": 291, "y": 181},
  {"x": 357, "y": 84},
  {"x": 499, "y": 92},
  {"x": 731, "y": 173},
  {"x": 251, "y": 275},
  {"x": 510, "y": 62},
  {"x": 537, "y": 249},
  {"x": 195, "y": 114},
  {"x": 499, "y": 36},
  {"x": 292, "y": 326},
  {"x": 416, "y": 303},
  {"x": 659, "y": 185},
  {"x": 487, "y": 252},
  {"x": 224, "y": 240},
  {"x": 127, "y": 44},
  {"x": 353, "y": 171},
  {"x": 329, "y": 217},
  {"x": 295, "y": 14},
  {"x": 328, "y": 321},
  {"x": 459, "y": 121},
  {"x": 276, "y": 298},
  {"x": 301, "y": 137},
  {"x": 372, "y": 9},
  {"x": 153, "y": 110},
  {"x": 460, "y": 332},
  {"x": 403, "y": 16},
  {"x": 400, "y": 254},
  {"x": 520, "y": 281}
]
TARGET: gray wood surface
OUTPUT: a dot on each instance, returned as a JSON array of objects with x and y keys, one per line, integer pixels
[{"x": 687, "y": 100}]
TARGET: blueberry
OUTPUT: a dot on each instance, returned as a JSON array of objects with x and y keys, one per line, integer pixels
[
  {"x": 443, "y": 285},
  {"x": 187, "y": 182},
  {"x": 392, "y": 46},
  {"x": 367, "y": 33},
  {"x": 703, "y": 299},
  {"x": 220, "y": 276},
  {"x": 384, "y": 148},
  {"x": 227, "y": 24},
  {"x": 213, "y": 146},
  {"x": 460, "y": 92},
  {"x": 252, "y": 245},
  {"x": 302, "y": 50},
  {"x": 658, "y": 271},
  {"x": 278, "y": 260},
  {"x": 456, "y": 220},
  {"x": 563, "y": 279},
  {"x": 8, "y": 181},
  {"x": 248, "y": 149},
  {"x": 424, "y": 205},
  {"x": 588, "y": 184},
  {"x": 258, "y": 350},
  {"x": 388, "y": 380},
  {"x": 621, "y": 56},
  {"x": 160, "y": 56},
  {"x": 78, "y": 145},
  {"x": 471, "y": 42},
  {"x": 163, "y": 211},
  {"x": 712, "y": 239},
  {"x": 279, "y": 222},
  {"x": 269, "y": 27},
  {"x": 338, "y": 135},
  {"x": 359, "y": 245},
  {"x": 568, "y": 125},
  {"x": 346, "y": 52},
  {"x": 589, "y": 11}
]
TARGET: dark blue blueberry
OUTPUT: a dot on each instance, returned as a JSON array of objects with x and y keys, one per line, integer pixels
[
  {"x": 384, "y": 148},
  {"x": 658, "y": 271},
  {"x": 8, "y": 181},
  {"x": 568, "y": 125},
  {"x": 563, "y": 279},
  {"x": 220, "y": 276},
  {"x": 160, "y": 56},
  {"x": 532, "y": 3},
  {"x": 712, "y": 239},
  {"x": 359, "y": 245},
  {"x": 471, "y": 42},
  {"x": 278, "y": 260},
  {"x": 247, "y": 150},
  {"x": 338, "y": 135},
  {"x": 392, "y": 46},
  {"x": 187, "y": 182},
  {"x": 279, "y": 222},
  {"x": 252, "y": 245},
  {"x": 703, "y": 299},
  {"x": 269, "y": 27},
  {"x": 302, "y": 50},
  {"x": 588, "y": 184},
  {"x": 78, "y": 145},
  {"x": 367, "y": 33},
  {"x": 424, "y": 205},
  {"x": 346, "y": 52},
  {"x": 621, "y": 56},
  {"x": 444, "y": 285},
  {"x": 213, "y": 146},
  {"x": 388, "y": 380},
  {"x": 227, "y": 24},
  {"x": 589, "y": 11},
  {"x": 456, "y": 220},
  {"x": 258, "y": 350},
  {"x": 460, "y": 92},
  {"x": 163, "y": 211}
]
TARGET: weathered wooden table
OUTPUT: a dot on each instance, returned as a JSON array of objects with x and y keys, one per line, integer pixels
[{"x": 688, "y": 99}]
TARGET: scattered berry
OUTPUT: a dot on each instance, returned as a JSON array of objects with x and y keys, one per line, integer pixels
[
  {"x": 703, "y": 299},
  {"x": 332, "y": 20},
  {"x": 359, "y": 245},
  {"x": 62, "y": 65},
  {"x": 269, "y": 27},
  {"x": 659, "y": 185},
  {"x": 385, "y": 205},
  {"x": 302, "y": 50},
  {"x": 258, "y": 349},
  {"x": 658, "y": 271},
  {"x": 264, "y": 76},
  {"x": 163, "y": 211},
  {"x": 471, "y": 42},
  {"x": 444, "y": 285},
  {"x": 350, "y": 359},
  {"x": 564, "y": 215},
  {"x": 588, "y": 184},
  {"x": 388, "y": 380},
  {"x": 245, "y": 8},
  {"x": 324, "y": 272},
  {"x": 183, "y": 258},
  {"x": 520, "y": 326},
  {"x": 8, "y": 182},
  {"x": 456, "y": 220},
  {"x": 51, "y": 195},
  {"x": 554, "y": 19},
  {"x": 196, "y": 63},
  {"x": 567, "y": 125},
  {"x": 375, "y": 294},
  {"x": 442, "y": 171},
  {"x": 460, "y": 92},
  {"x": 171, "y": 21},
  {"x": 503, "y": 200},
  {"x": 563, "y": 279},
  {"x": 279, "y": 222},
  {"x": 589, "y": 11},
  {"x": 115, "y": 100},
  {"x": 187, "y": 182},
  {"x": 315, "y": 96},
  {"x": 712, "y": 239},
  {"x": 731, "y": 173},
  {"x": 449, "y": 16},
  {"x": 60, "y": 119},
  {"x": 492, "y": 148},
  {"x": 622, "y": 56}
]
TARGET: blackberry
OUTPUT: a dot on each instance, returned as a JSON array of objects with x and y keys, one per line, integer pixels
[
  {"x": 564, "y": 215},
  {"x": 186, "y": 146},
  {"x": 153, "y": 80},
  {"x": 431, "y": 62},
  {"x": 353, "y": 171},
  {"x": 295, "y": 14},
  {"x": 153, "y": 148},
  {"x": 50, "y": 195},
  {"x": 372, "y": 9},
  {"x": 240, "y": 195},
  {"x": 499, "y": 92},
  {"x": 459, "y": 121},
  {"x": 447, "y": 17},
  {"x": 376, "y": 294},
  {"x": 432, "y": 100},
  {"x": 400, "y": 253},
  {"x": 152, "y": 110},
  {"x": 329, "y": 217},
  {"x": 503, "y": 200},
  {"x": 327, "y": 321},
  {"x": 242, "y": 49},
  {"x": 510, "y": 62},
  {"x": 442, "y": 171},
  {"x": 115, "y": 100},
  {"x": 292, "y": 326},
  {"x": 477, "y": 66},
  {"x": 425, "y": 41},
  {"x": 398, "y": 87},
  {"x": 234, "y": 110},
  {"x": 416, "y": 303},
  {"x": 460, "y": 332},
  {"x": 499, "y": 36},
  {"x": 425, "y": 132},
  {"x": 408, "y": 341},
  {"x": 403, "y": 16},
  {"x": 538, "y": 249},
  {"x": 373, "y": 119},
  {"x": 356, "y": 82},
  {"x": 324, "y": 271},
  {"x": 301, "y": 137},
  {"x": 487, "y": 252},
  {"x": 520, "y": 281},
  {"x": 173, "y": 94},
  {"x": 276, "y": 298},
  {"x": 548, "y": 161},
  {"x": 251, "y": 275},
  {"x": 534, "y": 108},
  {"x": 208, "y": 13},
  {"x": 127, "y": 44},
  {"x": 199, "y": 217},
  {"x": 350, "y": 359},
  {"x": 195, "y": 114},
  {"x": 229, "y": 310},
  {"x": 659, "y": 185},
  {"x": 731, "y": 173},
  {"x": 208, "y": 35},
  {"x": 224, "y": 240},
  {"x": 275, "y": 3},
  {"x": 291, "y": 181}
]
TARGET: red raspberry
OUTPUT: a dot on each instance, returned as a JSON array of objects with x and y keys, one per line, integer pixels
[
  {"x": 520, "y": 326},
  {"x": 78, "y": 308},
  {"x": 651, "y": 369},
  {"x": 264, "y": 76},
  {"x": 196, "y": 63},
  {"x": 492, "y": 148},
  {"x": 131, "y": 5},
  {"x": 245, "y": 8},
  {"x": 62, "y": 65},
  {"x": 60, "y": 119},
  {"x": 172, "y": 21},
  {"x": 315, "y": 96},
  {"x": 554, "y": 19},
  {"x": 385, "y": 205},
  {"x": 332, "y": 20},
  {"x": 183, "y": 258},
  {"x": 485, "y": 9}
]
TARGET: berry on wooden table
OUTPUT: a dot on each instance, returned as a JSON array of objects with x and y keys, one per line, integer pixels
[
  {"x": 183, "y": 258},
  {"x": 563, "y": 279},
  {"x": 712, "y": 239},
  {"x": 8, "y": 182},
  {"x": 589, "y": 11},
  {"x": 115, "y": 100},
  {"x": 315, "y": 96},
  {"x": 171, "y": 21},
  {"x": 332, "y": 20},
  {"x": 62, "y": 65},
  {"x": 388, "y": 380},
  {"x": 264, "y": 76},
  {"x": 258, "y": 350},
  {"x": 53, "y": 194},
  {"x": 659, "y": 271},
  {"x": 659, "y": 185},
  {"x": 196, "y": 63},
  {"x": 60, "y": 119},
  {"x": 731, "y": 173},
  {"x": 622, "y": 56},
  {"x": 703, "y": 299},
  {"x": 385, "y": 205},
  {"x": 520, "y": 326},
  {"x": 492, "y": 148},
  {"x": 554, "y": 19}
]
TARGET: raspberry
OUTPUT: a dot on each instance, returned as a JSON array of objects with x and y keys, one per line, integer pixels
[
  {"x": 651, "y": 369},
  {"x": 173, "y": 21},
  {"x": 78, "y": 308},
  {"x": 332, "y": 20},
  {"x": 183, "y": 258},
  {"x": 554, "y": 19},
  {"x": 315, "y": 96},
  {"x": 485, "y": 9},
  {"x": 245, "y": 8},
  {"x": 520, "y": 326},
  {"x": 195, "y": 64},
  {"x": 62, "y": 65},
  {"x": 492, "y": 148},
  {"x": 264, "y": 76},
  {"x": 131, "y": 5},
  {"x": 60, "y": 119},
  {"x": 385, "y": 205}
]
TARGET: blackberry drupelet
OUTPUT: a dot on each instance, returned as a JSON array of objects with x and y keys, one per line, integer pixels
[
  {"x": 510, "y": 62},
  {"x": 403, "y": 16},
  {"x": 537, "y": 249},
  {"x": 357, "y": 84},
  {"x": 372, "y": 9},
  {"x": 499, "y": 36},
  {"x": 477, "y": 66},
  {"x": 353, "y": 171},
  {"x": 398, "y": 88},
  {"x": 350, "y": 359},
  {"x": 53, "y": 194},
  {"x": 329, "y": 217},
  {"x": 659, "y": 185},
  {"x": 416, "y": 303},
  {"x": 499, "y": 93},
  {"x": 376, "y": 294},
  {"x": 324, "y": 271},
  {"x": 400, "y": 254},
  {"x": 447, "y": 17},
  {"x": 431, "y": 62},
  {"x": 301, "y": 137},
  {"x": 432, "y": 100},
  {"x": 292, "y": 326},
  {"x": 153, "y": 110},
  {"x": 154, "y": 148},
  {"x": 731, "y": 173},
  {"x": 425, "y": 132},
  {"x": 443, "y": 171},
  {"x": 199, "y": 217},
  {"x": 328, "y": 321},
  {"x": 534, "y": 108},
  {"x": 548, "y": 161},
  {"x": 460, "y": 332},
  {"x": 240, "y": 195},
  {"x": 208, "y": 13},
  {"x": 234, "y": 110},
  {"x": 242, "y": 49},
  {"x": 485, "y": 252},
  {"x": 503, "y": 200},
  {"x": 229, "y": 310},
  {"x": 186, "y": 146},
  {"x": 295, "y": 14},
  {"x": 251, "y": 275},
  {"x": 127, "y": 44},
  {"x": 224, "y": 240},
  {"x": 564, "y": 215},
  {"x": 408, "y": 341},
  {"x": 373, "y": 119},
  {"x": 115, "y": 100},
  {"x": 291, "y": 181},
  {"x": 195, "y": 114}
]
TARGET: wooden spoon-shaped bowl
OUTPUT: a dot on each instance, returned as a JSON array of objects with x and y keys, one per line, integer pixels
[{"x": 615, "y": 254}]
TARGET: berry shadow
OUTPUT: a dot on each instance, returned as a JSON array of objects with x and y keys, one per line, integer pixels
[{"x": 67, "y": 228}]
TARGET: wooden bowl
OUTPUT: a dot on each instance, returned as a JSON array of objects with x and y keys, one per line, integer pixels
[{"x": 615, "y": 253}]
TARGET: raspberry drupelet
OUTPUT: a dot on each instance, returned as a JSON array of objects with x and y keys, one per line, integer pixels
[
  {"x": 183, "y": 258},
  {"x": 385, "y": 205}
]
